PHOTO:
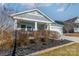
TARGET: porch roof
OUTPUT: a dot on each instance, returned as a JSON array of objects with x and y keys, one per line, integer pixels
[{"x": 32, "y": 15}]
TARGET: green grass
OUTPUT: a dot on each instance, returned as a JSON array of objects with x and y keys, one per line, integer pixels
[{"x": 71, "y": 50}]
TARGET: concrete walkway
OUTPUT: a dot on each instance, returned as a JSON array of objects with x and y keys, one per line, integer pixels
[{"x": 75, "y": 39}]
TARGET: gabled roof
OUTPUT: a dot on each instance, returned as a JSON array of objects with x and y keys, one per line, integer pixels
[
  {"x": 59, "y": 22},
  {"x": 72, "y": 20},
  {"x": 34, "y": 14}
]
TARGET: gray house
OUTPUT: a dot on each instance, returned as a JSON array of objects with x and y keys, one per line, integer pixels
[
  {"x": 34, "y": 20},
  {"x": 71, "y": 25}
]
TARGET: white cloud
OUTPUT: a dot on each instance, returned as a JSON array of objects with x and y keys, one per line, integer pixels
[
  {"x": 44, "y": 4},
  {"x": 33, "y": 5},
  {"x": 61, "y": 9},
  {"x": 29, "y": 5}
]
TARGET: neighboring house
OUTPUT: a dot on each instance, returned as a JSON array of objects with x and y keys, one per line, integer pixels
[
  {"x": 34, "y": 20},
  {"x": 71, "y": 25}
]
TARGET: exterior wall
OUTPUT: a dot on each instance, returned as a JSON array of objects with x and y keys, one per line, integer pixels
[{"x": 76, "y": 29}]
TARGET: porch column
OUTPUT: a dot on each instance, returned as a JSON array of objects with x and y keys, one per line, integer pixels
[
  {"x": 15, "y": 24},
  {"x": 36, "y": 26},
  {"x": 48, "y": 26}
]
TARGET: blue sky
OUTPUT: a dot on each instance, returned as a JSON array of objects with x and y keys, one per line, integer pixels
[{"x": 55, "y": 11}]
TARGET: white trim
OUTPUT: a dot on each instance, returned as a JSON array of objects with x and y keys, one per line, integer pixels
[
  {"x": 22, "y": 12},
  {"x": 27, "y": 19},
  {"x": 15, "y": 24},
  {"x": 45, "y": 15},
  {"x": 36, "y": 26},
  {"x": 48, "y": 27}
]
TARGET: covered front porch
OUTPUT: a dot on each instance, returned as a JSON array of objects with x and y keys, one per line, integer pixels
[{"x": 31, "y": 25}]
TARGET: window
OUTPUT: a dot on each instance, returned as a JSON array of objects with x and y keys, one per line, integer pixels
[
  {"x": 23, "y": 26},
  {"x": 76, "y": 25}
]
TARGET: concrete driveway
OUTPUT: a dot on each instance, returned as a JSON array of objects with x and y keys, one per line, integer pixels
[{"x": 75, "y": 39}]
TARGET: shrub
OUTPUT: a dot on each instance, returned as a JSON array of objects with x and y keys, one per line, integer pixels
[{"x": 6, "y": 40}]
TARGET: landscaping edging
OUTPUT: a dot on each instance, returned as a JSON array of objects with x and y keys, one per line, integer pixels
[{"x": 49, "y": 49}]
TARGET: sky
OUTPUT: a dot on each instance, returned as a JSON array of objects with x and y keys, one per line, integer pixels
[{"x": 56, "y": 11}]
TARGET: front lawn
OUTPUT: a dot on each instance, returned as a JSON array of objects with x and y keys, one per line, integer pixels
[{"x": 71, "y": 50}]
